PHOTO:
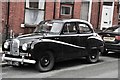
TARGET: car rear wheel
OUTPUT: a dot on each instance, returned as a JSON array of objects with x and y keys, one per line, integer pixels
[
  {"x": 45, "y": 62},
  {"x": 105, "y": 52},
  {"x": 93, "y": 56}
]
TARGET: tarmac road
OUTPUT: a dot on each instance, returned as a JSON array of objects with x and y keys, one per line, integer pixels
[{"x": 107, "y": 67}]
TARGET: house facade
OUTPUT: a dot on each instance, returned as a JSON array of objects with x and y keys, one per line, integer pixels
[
  {"x": 119, "y": 13},
  {"x": 22, "y": 17}
]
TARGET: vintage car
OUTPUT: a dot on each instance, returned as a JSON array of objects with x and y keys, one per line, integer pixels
[
  {"x": 111, "y": 37},
  {"x": 53, "y": 41}
]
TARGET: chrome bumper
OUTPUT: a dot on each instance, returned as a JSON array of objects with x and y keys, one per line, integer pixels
[{"x": 22, "y": 60}]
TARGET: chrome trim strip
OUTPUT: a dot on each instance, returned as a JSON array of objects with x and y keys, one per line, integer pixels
[
  {"x": 19, "y": 60},
  {"x": 60, "y": 42}
]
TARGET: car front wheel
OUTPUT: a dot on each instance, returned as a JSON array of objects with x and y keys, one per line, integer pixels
[
  {"x": 45, "y": 62},
  {"x": 93, "y": 56}
]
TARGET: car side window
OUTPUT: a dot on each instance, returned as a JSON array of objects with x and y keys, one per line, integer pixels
[
  {"x": 69, "y": 28},
  {"x": 83, "y": 28}
]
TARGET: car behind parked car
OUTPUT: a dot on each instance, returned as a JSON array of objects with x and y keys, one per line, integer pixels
[
  {"x": 111, "y": 37},
  {"x": 53, "y": 41}
]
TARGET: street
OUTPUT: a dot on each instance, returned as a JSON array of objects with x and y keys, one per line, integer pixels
[{"x": 107, "y": 67}]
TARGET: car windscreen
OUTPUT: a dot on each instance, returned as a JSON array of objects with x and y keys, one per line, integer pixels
[{"x": 49, "y": 27}]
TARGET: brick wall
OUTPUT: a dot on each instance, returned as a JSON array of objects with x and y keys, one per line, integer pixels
[
  {"x": 94, "y": 14},
  {"x": 76, "y": 13},
  {"x": 4, "y": 20},
  {"x": 49, "y": 10},
  {"x": 57, "y": 9},
  {"x": 0, "y": 22},
  {"x": 115, "y": 16},
  {"x": 16, "y": 17}
]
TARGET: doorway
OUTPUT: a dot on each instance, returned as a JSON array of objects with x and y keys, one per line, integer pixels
[{"x": 107, "y": 15}]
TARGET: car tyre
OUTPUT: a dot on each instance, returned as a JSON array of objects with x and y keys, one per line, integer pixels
[
  {"x": 93, "y": 56},
  {"x": 45, "y": 62},
  {"x": 105, "y": 52}
]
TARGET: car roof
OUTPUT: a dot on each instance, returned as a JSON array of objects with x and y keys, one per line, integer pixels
[
  {"x": 69, "y": 20},
  {"x": 72, "y": 20}
]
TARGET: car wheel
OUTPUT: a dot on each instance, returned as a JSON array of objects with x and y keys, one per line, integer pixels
[
  {"x": 45, "y": 62},
  {"x": 105, "y": 52},
  {"x": 93, "y": 56}
]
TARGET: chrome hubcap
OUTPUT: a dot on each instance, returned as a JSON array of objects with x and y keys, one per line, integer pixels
[{"x": 45, "y": 61}]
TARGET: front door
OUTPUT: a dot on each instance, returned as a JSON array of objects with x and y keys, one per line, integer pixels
[
  {"x": 68, "y": 37},
  {"x": 107, "y": 15},
  {"x": 84, "y": 33}
]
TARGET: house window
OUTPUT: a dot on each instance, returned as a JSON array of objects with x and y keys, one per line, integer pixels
[
  {"x": 34, "y": 12},
  {"x": 34, "y": 4},
  {"x": 38, "y": 4},
  {"x": 85, "y": 12},
  {"x": 66, "y": 10}
]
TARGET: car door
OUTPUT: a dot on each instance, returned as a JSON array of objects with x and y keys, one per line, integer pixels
[
  {"x": 84, "y": 32},
  {"x": 67, "y": 36}
]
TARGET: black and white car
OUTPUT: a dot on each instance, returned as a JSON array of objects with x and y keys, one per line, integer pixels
[{"x": 53, "y": 41}]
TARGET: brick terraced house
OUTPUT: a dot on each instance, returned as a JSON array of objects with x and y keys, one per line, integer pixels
[{"x": 22, "y": 17}]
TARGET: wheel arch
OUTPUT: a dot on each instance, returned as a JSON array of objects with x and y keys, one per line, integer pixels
[{"x": 40, "y": 48}]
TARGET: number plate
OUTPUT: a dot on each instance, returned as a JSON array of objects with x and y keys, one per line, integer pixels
[{"x": 109, "y": 39}]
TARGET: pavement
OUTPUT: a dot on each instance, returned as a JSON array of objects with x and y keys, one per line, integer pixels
[
  {"x": 2, "y": 63},
  {"x": 0, "y": 48}
]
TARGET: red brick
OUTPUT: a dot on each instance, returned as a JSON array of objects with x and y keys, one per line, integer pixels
[{"x": 49, "y": 10}]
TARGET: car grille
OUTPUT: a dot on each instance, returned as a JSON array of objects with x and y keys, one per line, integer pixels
[{"x": 14, "y": 47}]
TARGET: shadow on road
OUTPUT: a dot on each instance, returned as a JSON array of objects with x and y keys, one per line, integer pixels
[
  {"x": 59, "y": 65},
  {"x": 66, "y": 64},
  {"x": 72, "y": 63}
]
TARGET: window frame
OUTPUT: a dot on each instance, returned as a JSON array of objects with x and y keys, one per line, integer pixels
[
  {"x": 68, "y": 32},
  {"x": 68, "y": 6},
  {"x": 90, "y": 9},
  {"x": 41, "y": 9},
  {"x": 27, "y": 5},
  {"x": 90, "y": 30}
]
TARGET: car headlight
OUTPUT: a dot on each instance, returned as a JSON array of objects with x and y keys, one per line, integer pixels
[
  {"x": 25, "y": 47},
  {"x": 6, "y": 45}
]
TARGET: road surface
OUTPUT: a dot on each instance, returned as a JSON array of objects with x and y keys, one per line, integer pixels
[{"x": 107, "y": 67}]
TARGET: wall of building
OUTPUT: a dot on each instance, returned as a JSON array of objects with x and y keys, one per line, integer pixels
[
  {"x": 16, "y": 17},
  {"x": 95, "y": 14},
  {"x": 116, "y": 13},
  {"x": 12, "y": 18},
  {"x": 76, "y": 12},
  {"x": 49, "y": 10},
  {"x": 4, "y": 7},
  {"x": 0, "y": 22}
]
